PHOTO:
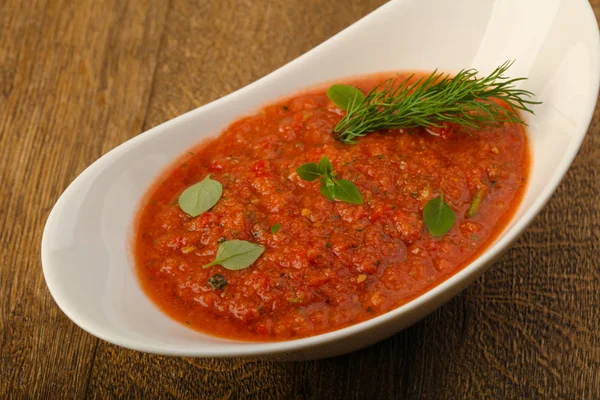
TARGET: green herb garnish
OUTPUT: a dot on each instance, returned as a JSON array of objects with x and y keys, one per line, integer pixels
[
  {"x": 236, "y": 254},
  {"x": 217, "y": 281},
  {"x": 347, "y": 191},
  {"x": 308, "y": 172},
  {"x": 438, "y": 216},
  {"x": 345, "y": 95},
  {"x": 275, "y": 228},
  {"x": 437, "y": 99},
  {"x": 324, "y": 167},
  {"x": 200, "y": 197},
  {"x": 331, "y": 188},
  {"x": 326, "y": 190},
  {"x": 477, "y": 200}
]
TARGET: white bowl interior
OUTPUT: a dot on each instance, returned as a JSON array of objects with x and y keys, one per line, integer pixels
[{"x": 85, "y": 252}]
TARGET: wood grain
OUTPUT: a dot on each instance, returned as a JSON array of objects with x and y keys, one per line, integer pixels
[{"x": 78, "y": 78}]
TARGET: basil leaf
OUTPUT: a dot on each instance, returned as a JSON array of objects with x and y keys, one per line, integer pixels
[
  {"x": 236, "y": 254},
  {"x": 217, "y": 281},
  {"x": 345, "y": 95},
  {"x": 325, "y": 167},
  {"x": 200, "y": 197},
  {"x": 275, "y": 228},
  {"x": 347, "y": 191},
  {"x": 327, "y": 191},
  {"x": 438, "y": 216},
  {"x": 330, "y": 188},
  {"x": 308, "y": 172}
]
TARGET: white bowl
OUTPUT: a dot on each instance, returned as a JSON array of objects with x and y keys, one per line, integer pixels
[{"x": 85, "y": 253}]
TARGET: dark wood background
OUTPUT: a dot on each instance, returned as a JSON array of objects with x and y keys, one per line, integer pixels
[{"x": 79, "y": 77}]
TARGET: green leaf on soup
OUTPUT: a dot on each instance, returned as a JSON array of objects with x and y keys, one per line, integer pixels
[
  {"x": 331, "y": 188},
  {"x": 308, "y": 172},
  {"x": 275, "y": 228},
  {"x": 345, "y": 96},
  {"x": 324, "y": 167},
  {"x": 347, "y": 191},
  {"x": 200, "y": 197},
  {"x": 236, "y": 254},
  {"x": 438, "y": 216},
  {"x": 327, "y": 191}
]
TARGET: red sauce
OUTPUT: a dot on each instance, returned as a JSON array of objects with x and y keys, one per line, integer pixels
[{"x": 331, "y": 264}]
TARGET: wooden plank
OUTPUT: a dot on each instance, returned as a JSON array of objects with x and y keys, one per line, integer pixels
[
  {"x": 75, "y": 82},
  {"x": 213, "y": 48}
]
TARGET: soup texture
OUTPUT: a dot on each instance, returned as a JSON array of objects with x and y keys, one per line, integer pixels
[{"x": 326, "y": 264}]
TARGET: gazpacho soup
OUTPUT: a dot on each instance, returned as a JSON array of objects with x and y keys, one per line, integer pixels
[{"x": 335, "y": 205}]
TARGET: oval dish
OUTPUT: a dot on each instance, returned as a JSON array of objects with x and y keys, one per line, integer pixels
[{"x": 86, "y": 257}]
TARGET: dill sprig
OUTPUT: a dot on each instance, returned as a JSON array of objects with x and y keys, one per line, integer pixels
[{"x": 463, "y": 99}]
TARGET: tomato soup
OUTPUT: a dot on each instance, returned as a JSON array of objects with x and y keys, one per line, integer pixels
[{"x": 326, "y": 264}]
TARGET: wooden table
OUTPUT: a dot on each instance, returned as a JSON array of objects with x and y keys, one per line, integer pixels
[{"x": 79, "y": 78}]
